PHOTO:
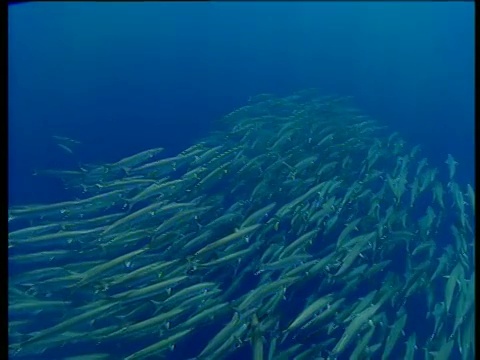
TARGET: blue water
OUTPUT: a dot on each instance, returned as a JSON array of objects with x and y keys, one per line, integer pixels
[{"x": 123, "y": 77}]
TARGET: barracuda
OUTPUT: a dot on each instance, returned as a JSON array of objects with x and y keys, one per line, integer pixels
[{"x": 158, "y": 347}]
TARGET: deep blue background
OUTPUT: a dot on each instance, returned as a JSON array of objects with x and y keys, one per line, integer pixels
[{"x": 123, "y": 77}]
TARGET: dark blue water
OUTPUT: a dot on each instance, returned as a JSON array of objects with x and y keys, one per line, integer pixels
[{"x": 125, "y": 77}]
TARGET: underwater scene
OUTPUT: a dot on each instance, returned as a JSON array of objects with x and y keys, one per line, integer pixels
[{"x": 203, "y": 181}]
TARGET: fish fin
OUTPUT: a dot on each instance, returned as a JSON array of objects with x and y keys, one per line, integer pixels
[
  {"x": 156, "y": 303},
  {"x": 234, "y": 308},
  {"x": 126, "y": 170}
]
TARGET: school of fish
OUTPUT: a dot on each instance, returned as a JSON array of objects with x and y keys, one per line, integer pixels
[{"x": 300, "y": 229}]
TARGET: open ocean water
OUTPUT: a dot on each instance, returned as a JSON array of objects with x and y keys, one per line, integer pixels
[{"x": 121, "y": 78}]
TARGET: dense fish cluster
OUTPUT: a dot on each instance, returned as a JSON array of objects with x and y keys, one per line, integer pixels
[{"x": 301, "y": 229}]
